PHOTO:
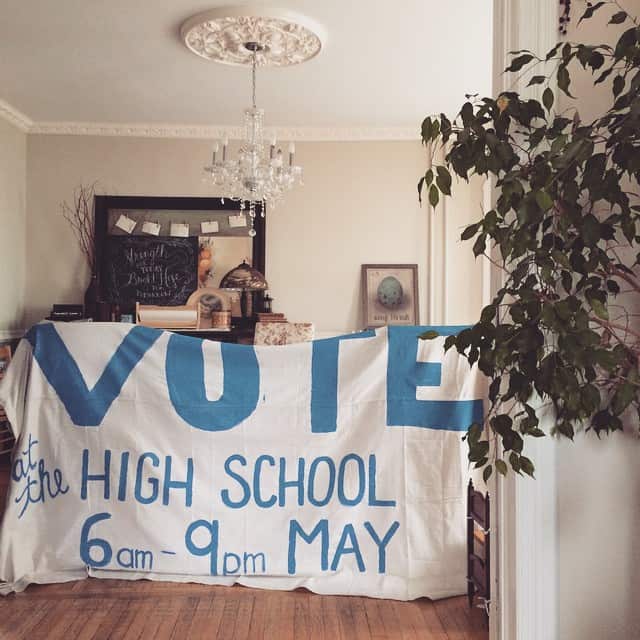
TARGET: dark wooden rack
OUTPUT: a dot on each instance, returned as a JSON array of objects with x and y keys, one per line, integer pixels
[{"x": 478, "y": 549}]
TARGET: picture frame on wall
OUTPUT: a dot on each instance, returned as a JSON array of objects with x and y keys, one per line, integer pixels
[{"x": 390, "y": 295}]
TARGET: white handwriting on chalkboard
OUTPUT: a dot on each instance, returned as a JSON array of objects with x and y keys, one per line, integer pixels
[
  {"x": 135, "y": 254},
  {"x": 152, "y": 270},
  {"x": 155, "y": 277}
]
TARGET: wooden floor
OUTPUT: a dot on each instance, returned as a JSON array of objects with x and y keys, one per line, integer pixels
[{"x": 111, "y": 609}]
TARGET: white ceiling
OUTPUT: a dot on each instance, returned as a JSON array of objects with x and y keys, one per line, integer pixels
[{"x": 385, "y": 64}]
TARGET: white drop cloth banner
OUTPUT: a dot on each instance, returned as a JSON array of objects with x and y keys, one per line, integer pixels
[{"x": 335, "y": 465}]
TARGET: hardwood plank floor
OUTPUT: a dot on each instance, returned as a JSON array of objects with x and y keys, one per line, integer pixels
[{"x": 94, "y": 609}]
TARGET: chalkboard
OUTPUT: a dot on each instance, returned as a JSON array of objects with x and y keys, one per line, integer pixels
[{"x": 150, "y": 270}]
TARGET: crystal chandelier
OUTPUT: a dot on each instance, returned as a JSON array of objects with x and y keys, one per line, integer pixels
[{"x": 256, "y": 177}]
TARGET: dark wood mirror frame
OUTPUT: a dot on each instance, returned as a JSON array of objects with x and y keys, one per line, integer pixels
[
  {"x": 242, "y": 330},
  {"x": 103, "y": 204}
]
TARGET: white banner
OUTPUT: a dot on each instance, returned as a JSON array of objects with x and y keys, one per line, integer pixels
[{"x": 335, "y": 465}]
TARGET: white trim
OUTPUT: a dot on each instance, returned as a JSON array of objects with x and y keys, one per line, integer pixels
[
  {"x": 525, "y": 510},
  {"x": 15, "y": 117},
  {"x": 437, "y": 260},
  {"x": 147, "y": 130},
  {"x": 195, "y": 131},
  {"x": 11, "y": 334}
]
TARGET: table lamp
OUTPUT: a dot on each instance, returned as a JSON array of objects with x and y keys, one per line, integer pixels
[{"x": 245, "y": 277}]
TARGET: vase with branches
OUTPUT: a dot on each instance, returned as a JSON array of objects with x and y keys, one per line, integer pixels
[
  {"x": 564, "y": 230},
  {"x": 79, "y": 213}
]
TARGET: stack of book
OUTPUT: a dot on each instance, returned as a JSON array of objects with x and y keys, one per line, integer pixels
[
  {"x": 271, "y": 317},
  {"x": 66, "y": 312},
  {"x": 6, "y": 437}
]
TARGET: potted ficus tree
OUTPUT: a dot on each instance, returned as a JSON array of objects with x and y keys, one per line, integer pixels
[{"x": 564, "y": 326}]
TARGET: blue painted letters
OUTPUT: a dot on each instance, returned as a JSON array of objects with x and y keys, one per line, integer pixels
[
  {"x": 185, "y": 379},
  {"x": 87, "y": 408}
]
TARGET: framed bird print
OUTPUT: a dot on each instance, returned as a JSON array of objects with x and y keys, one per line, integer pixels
[{"x": 390, "y": 294}]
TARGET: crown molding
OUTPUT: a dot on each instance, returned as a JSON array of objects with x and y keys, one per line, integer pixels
[
  {"x": 187, "y": 131},
  {"x": 304, "y": 134},
  {"x": 15, "y": 117}
]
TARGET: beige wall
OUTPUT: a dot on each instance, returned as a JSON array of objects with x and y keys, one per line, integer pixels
[
  {"x": 358, "y": 205},
  {"x": 598, "y": 497},
  {"x": 13, "y": 159}
]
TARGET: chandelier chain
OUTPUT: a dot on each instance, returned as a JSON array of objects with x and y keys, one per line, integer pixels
[
  {"x": 253, "y": 80},
  {"x": 257, "y": 178}
]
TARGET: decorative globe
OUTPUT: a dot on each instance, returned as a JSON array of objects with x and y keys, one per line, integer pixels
[{"x": 390, "y": 292}]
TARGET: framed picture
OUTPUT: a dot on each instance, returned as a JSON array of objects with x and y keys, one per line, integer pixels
[{"x": 390, "y": 294}]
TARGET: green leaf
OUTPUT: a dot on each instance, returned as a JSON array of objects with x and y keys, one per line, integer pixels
[
  {"x": 501, "y": 424},
  {"x": 443, "y": 180},
  {"x": 470, "y": 231},
  {"x": 552, "y": 52},
  {"x": 547, "y": 98},
  {"x": 599, "y": 308},
  {"x": 501, "y": 467},
  {"x": 480, "y": 245},
  {"x": 426, "y": 129},
  {"x": 474, "y": 433},
  {"x": 434, "y": 196},
  {"x": 527, "y": 466},
  {"x": 564, "y": 79},
  {"x": 478, "y": 451},
  {"x": 428, "y": 177},
  {"x": 623, "y": 397},
  {"x": 604, "y": 75},
  {"x": 591, "y": 230},
  {"x": 618, "y": 18},
  {"x": 449, "y": 342},
  {"x": 596, "y": 60},
  {"x": 544, "y": 200},
  {"x": 591, "y": 9},
  {"x": 488, "y": 313},
  {"x": 626, "y": 41},
  {"x": 486, "y": 474},
  {"x": 567, "y": 281},
  {"x": 536, "y": 80},
  {"x": 429, "y": 335},
  {"x": 467, "y": 114},
  {"x": 618, "y": 85},
  {"x": 566, "y": 429},
  {"x": 520, "y": 61},
  {"x": 420, "y": 183}
]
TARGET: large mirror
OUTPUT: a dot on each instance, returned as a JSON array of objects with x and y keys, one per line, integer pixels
[{"x": 158, "y": 250}]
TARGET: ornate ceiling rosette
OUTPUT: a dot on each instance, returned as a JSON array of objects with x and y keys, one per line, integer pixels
[{"x": 221, "y": 34}]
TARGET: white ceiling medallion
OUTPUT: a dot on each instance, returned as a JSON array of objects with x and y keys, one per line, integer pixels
[{"x": 285, "y": 37}]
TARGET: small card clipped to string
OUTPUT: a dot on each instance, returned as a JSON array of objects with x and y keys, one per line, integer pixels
[
  {"x": 209, "y": 227},
  {"x": 179, "y": 229},
  {"x": 125, "y": 223},
  {"x": 238, "y": 221},
  {"x": 152, "y": 228}
]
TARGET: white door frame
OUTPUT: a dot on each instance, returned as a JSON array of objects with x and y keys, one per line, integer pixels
[{"x": 523, "y": 605}]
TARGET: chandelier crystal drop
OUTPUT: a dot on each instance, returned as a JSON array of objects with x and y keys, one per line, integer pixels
[{"x": 257, "y": 177}]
